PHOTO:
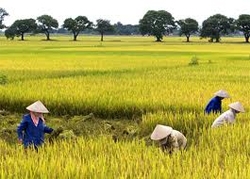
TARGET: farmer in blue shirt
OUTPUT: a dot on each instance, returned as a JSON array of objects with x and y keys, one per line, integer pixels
[
  {"x": 214, "y": 104},
  {"x": 32, "y": 127}
]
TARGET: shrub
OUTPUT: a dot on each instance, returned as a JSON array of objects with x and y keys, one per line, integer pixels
[{"x": 194, "y": 61}]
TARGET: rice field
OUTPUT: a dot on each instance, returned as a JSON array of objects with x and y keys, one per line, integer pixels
[{"x": 128, "y": 78}]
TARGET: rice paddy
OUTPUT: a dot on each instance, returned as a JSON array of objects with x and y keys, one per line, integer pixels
[{"x": 126, "y": 79}]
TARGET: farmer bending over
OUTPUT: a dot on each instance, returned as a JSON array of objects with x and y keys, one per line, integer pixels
[
  {"x": 169, "y": 139},
  {"x": 214, "y": 105},
  {"x": 228, "y": 117}
]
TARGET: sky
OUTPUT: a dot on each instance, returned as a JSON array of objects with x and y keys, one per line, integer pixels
[{"x": 124, "y": 11}]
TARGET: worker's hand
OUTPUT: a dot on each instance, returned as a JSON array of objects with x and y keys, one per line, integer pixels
[
  {"x": 20, "y": 141},
  {"x": 55, "y": 133},
  {"x": 59, "y": 129}
]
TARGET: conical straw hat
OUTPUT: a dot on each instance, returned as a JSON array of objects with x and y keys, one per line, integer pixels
[
  {"x": 237, "y": 106},
  {"x": 222, "y": 93},
  {"x": 161, "y": 132},
  {"x": 37, "y": 107}
]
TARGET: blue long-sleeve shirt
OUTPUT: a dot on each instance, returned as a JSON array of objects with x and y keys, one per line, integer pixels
[
  {"x": 214, "y": 105},
  {"x": 31, "y": 134}
]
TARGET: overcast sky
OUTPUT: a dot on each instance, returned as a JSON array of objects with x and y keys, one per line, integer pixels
[{"x": 124, "y": 11}]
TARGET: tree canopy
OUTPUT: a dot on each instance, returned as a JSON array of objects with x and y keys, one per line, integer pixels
[
  {"x": 77, "y": 25},
  {"x": 10, "y": 33},
  {"x": 157, "y": 23},
  {"x": 103, "y": 26},
  {"x": 187, "y": 27},
  {"x": 243, "y": 25},
  {"x": 3, "y": 13},
  {"x": 216, "y": 26},
  {"x": 46, "y": 24},
  {"x": 20, "y": 27}
]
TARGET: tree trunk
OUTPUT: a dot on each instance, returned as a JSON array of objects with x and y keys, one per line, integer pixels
[
  {"x": 75, "y": 37},
  {"x": 101, "y": 36},
  {"x": 188, "y": 36},
  {"x": 47, "y": 35},
  {"x": 246, "y": 38},
  {"x": 22, "y": 36},
  {"x": 158, "y": 39},
  {"x": 217, "y": 37}
]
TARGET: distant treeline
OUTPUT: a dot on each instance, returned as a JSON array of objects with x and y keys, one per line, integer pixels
[
  {"x": 119, "y": 29},
  {"x": 154, "y": 23}
]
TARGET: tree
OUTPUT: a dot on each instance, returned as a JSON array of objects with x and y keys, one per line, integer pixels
[
  {"x": 20, "y": 27},
  {"x": 157, "y": 23},
  {"x": 103, "y": 26},
  {"x": 46, "y": 24},
  {"x": 187, "y": 27},
  {"x": 243, "y": 25},
  {"x": 216, "y": 26},
  {"x": 128, "y": 29},
  {"x": 10, "y": 33},
  {"x": 3, "y": 13},
  {"x": 77, "y": 25}
]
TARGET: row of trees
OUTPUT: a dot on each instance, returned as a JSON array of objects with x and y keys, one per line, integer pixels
[
  {"x": 160, "y": 23},
  {"x": 47, "y": 24},
  {"x": 155, "y": 23}
]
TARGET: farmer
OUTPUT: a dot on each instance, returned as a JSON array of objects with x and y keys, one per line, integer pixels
[
  {"x": 32, "y": 127},
  {"x": 214, "y": 105},
  {"x": 170, "y": 140},
  {"x": 228, "y": 117}
]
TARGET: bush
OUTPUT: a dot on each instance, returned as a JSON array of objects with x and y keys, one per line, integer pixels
[{"x": 194, "y": 61}]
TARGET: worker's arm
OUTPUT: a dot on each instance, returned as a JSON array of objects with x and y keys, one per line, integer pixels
[
  {"x": 21, "y": 128},
  {"x": 174, "y": 143}
]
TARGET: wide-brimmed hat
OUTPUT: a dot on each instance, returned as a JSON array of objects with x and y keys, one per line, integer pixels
[
  {"x": 37, "y": 107},
  {"x": 222, "y": 93},
  {"x": 237, "y": 106},
  {"x": 161, "y": 132}
]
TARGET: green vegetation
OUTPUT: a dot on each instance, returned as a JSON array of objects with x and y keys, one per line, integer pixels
[{"x": 130, "y": 84}]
